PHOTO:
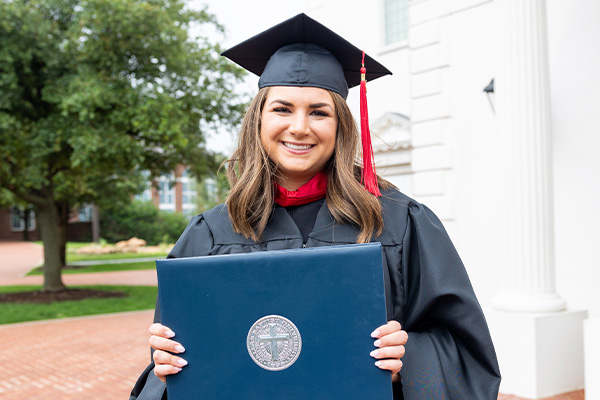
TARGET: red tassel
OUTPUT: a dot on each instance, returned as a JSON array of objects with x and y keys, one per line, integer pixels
[{"x": 369, "y": 176}]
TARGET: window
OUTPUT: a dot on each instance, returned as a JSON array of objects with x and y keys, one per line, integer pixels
[
  {"x": 166, "y": 193},
  {"x": 17, "y": 220},
  {"x": 85, "y": 213},
  {"x": 146, "y": 195},
  {"x": 396, "y": 21},
  {"x": 188, "y": 195}
]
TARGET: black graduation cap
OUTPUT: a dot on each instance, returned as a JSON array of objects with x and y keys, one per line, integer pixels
[{"x": 302, "y": 52}]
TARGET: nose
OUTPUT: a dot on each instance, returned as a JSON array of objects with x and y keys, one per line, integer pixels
[{"x": 299, "y": 125}]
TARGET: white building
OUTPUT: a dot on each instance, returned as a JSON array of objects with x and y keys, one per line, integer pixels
[{"x": 514, "y": 177}]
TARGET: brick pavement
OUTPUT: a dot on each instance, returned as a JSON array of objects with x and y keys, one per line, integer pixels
[
  {"x": 86, "y": 358},
  {"x": 146, "y": 277},
  {"x": 18, "y": 258}
]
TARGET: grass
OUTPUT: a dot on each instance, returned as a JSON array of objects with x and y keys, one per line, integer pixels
[
  {"x": 111, "y": 256},
  {"x": 101, "y": 268},
  {"x": 139, "y": 298}
]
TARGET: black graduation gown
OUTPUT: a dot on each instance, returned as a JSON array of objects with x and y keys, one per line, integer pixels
[{"x": 449, "y": 353}]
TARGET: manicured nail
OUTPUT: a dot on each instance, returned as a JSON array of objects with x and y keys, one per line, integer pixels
[
  {"x": 179, "y": 348},
  {"x": 177, "y": 369},
  {"x": 377, "y": 343},
  {"x": 378, "y": 363},
  {"x": 374, "y": 353},
  {"x": 375, "y": 334},
  {"x": 170, "y": 333},
  {"x": 182, "y": 362}
]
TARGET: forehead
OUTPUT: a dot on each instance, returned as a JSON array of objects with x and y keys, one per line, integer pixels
[{"x": 299, "y": 94}]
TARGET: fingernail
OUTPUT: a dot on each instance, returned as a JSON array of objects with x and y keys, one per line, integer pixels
[
  {"x": 378, "y": 363},
  {"x": 374, "y": 353},
  {"x": 375, "y": 334},
  {"x": 179, "y": 348},
  {"x": 182, "y": 362},
  {"x": 377, "y": 343},
  {"x": 177, "y": 369},
  {"x": 170, "y": 333}
]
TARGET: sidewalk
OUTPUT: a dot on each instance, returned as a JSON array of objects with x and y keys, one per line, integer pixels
[
  {"x": 18, "y": 258},
  {"x": 85, "y": 358}
]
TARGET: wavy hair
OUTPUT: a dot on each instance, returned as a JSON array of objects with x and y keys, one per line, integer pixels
[{"x": 251, "y": 176}]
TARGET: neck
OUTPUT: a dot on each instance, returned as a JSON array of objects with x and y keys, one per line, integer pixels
[{"x": 291, "y": 184}]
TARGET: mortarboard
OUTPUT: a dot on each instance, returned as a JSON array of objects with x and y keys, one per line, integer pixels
[{"x": 302, "y": 52}]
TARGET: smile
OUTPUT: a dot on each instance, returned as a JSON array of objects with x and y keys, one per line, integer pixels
[{"x": 298, "y": 146}]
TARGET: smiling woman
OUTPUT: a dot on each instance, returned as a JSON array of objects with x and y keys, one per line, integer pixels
[
  {"x": 298, "y": 132},
  {"x": 297, "y": 181}
]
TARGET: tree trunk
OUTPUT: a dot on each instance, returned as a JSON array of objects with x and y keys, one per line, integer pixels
[{"x": 53, "y": 229}]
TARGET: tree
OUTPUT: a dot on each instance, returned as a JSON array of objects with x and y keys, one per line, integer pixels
[{"x": 93, "y": 92}]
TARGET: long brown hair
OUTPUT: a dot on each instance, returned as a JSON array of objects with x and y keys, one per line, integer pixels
[{"x": 251, "y": 176}]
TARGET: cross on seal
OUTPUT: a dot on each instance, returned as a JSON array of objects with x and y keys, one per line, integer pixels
[{"x": 274, "y": 338}]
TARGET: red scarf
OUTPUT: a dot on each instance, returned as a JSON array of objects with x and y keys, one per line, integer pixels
[{"x": 314, "y": 189}]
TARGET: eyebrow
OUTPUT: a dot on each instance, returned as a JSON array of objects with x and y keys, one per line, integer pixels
[{"x": 315, "y": 105}]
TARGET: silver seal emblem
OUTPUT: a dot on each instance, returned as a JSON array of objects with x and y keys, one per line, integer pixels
[{"x": 274, "y": 342}]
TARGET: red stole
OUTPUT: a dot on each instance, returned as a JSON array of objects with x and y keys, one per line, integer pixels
[{"x": 314, "y": 189}]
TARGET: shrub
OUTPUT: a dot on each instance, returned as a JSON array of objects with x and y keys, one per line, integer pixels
[{"x": 142, "y": 220}]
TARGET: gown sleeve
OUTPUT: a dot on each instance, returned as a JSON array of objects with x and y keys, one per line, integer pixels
[
  {"x": 449, "y": 353},
  {"x": 196, "y": 240}
]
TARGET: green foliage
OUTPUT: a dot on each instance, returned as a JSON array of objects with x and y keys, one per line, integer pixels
[
  {"x": 142, "y": 220},
  {"x": 139, "y": 298},
  {"x": 95, "y": 91}
]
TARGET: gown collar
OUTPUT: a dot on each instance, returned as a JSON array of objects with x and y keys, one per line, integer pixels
[{"x": 314, "y": 189}]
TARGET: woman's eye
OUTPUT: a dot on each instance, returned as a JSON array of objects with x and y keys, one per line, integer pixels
[
  {"x": 320, "y": 113},
  {"x": 281, "y": 109}
]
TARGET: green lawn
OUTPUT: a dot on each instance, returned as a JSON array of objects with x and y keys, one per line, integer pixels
[
  {"x": 111, "y": 256},
  {"x": 139, "y": 298},
  {"x": 101, "y": 268}
]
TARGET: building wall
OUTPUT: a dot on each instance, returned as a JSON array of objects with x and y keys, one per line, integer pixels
[
  {"x": 456, "y": 165},
  {"x": 574, "y": 40},
  {"x": 8, "y": 235}
]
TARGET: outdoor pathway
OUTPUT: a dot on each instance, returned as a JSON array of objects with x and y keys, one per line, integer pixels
[
  {"x": 85, "y": 358},
  {"x": 18, "y": 258},
  {"x": 144, "y": 277}
]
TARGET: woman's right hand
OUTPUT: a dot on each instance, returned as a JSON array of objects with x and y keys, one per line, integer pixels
[{"x": 165, "y": 362}]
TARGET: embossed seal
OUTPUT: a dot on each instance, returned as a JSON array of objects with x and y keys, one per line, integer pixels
[{"x": 274, "y": 342}]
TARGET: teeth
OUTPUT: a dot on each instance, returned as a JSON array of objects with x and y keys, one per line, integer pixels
[{"x": 297, "y": 147}]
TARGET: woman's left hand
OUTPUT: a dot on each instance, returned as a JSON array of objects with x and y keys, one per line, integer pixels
[{"x": 390, "y": 347}]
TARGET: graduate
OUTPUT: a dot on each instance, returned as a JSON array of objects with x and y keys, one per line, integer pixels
[{"x": 303, "y": 176}]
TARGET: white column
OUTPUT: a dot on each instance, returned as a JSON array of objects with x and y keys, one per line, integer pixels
[
  {"x": 532, "y": 332},
  {"x": 523, "y": 106}
]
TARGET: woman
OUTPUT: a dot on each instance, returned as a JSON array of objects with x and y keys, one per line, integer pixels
[{"x": 296, "y": 157}]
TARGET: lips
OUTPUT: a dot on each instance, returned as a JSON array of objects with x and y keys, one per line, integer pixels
[{"x": 298, "y": 147}]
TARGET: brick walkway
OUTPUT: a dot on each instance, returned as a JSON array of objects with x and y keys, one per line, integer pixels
[
  {"x": 145, "y": 277},
  {"x": 87, "y": 358},
  {"x": 18, "y": 258}
]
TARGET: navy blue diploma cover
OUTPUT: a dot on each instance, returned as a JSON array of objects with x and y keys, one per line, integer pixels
[{"x": 289, "y": 324}]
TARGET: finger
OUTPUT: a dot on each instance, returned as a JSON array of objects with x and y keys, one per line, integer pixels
[
  {"x": 161, "y": 371},
  {"x": 398, "y": 338},
  {"x": 395, "y": 352},
  {"x": 161, "y": 330},
  {"x": 394, "y": 366},
  {"x": 391, "y": 326},
  {"x": 162, "y": 357},
  {"x": 160, "y": 343}
]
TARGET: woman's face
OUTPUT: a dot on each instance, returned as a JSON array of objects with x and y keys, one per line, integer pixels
[{"x": 298, "y": 128}]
